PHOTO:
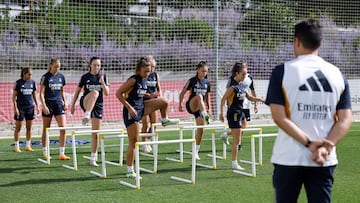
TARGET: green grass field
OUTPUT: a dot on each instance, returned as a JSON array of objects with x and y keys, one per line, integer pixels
[{"x": 24, "y": 179}]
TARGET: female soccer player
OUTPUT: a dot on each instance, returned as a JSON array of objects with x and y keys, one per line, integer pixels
[
  {"x": 52, "y": 97},
  {"x": 24, "y": 97},
  {"x": 235, "y": 95},
  {"x": 131, "y": 94},
  {"x": 95, "y": 84},
  {"x": 199, "y": 102},
  {"x": 153, "y": 101}
]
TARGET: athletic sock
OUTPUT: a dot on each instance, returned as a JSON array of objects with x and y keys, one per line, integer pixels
[
  {"x": 197, "y": 148},
  {"x": 87, "y": 114},
  {"x": 62, "y": 150},
  {"x": 130, "y": 169},
  {"x": 17, "y": 144},
  {"x": 28, "y": 143}
]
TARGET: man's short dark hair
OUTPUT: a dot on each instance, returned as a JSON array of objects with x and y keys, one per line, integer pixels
[{"x": 309, "y": 33}]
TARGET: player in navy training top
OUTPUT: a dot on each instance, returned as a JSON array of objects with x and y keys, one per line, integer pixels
[
  {"x": 235, "y": 95},
  {"x": 199, "y": 102},
  {"x": 95, "y": 85},
  {"x": 24, "y": 98},
  {"x": 153, "y": 101},
  {"x": 131, "y": 95},
  {"x": 52, "y": 97},
  {"x": 249, "y": 83}
]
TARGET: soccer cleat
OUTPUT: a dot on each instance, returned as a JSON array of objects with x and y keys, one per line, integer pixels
[
  {"x": 237, "y": 167},
  {"x": 146, "y": 148},
  {"x": 167, "y": 122},
  {"x": 240, "y": 147},
  {"x": 207, "y": 119},
  {"x": 225, "y": 138},
  {"x": 28, "y": 149},
  {"x": 132, "y": 175},
  {"x": 85, "y": 120},
  {"x": 17, "y": 149},
  {"x": 93, "y": 163},
  {"x": 63, "y": 157},
  {"x": 45, "y": 156},
  {"x": 197, "y": 156}
]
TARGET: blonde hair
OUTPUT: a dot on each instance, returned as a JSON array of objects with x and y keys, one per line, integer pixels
[{"x": 53, "y": 61}]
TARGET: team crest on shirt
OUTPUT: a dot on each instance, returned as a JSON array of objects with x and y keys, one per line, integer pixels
[{"x": 60, "y": 80}]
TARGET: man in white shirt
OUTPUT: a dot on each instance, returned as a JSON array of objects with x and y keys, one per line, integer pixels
[{"x": 310, "y": 102}]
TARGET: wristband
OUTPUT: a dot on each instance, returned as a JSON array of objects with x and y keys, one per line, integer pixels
[{"x": 308, "y": 143}]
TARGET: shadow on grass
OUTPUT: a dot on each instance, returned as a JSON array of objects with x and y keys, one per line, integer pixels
[{"x": 46, "y": 181}]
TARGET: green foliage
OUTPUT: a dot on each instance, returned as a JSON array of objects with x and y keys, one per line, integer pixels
[{"x": 268, "y": 25}]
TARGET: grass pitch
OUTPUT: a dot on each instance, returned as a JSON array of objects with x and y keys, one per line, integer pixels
[{"x": 24, "y": 179}]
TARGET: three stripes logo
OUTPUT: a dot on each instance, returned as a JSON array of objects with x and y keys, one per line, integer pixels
[{"x": 314, "y": 85}]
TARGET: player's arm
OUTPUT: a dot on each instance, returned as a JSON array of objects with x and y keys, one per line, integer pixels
[
  {"x": 64, "y": 98},
  {"x": 254, "y": 99},
  {"x": 228, "y": 92},
  {"x": 182, "y": 94},
  {"x": 105, "y": 85},
  {"x": 74, "y": 99},
  {"x": 35, "y": 102},
  {"x": 120, "y": 95},
  {"x": 158, "y": 86},
  {"x": 14, "y": 96}
]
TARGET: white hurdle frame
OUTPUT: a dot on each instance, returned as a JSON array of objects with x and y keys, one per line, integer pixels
[
  {"x": 115, "y": 132},
  {"x": 193, "y": 129},
  {"x": 260, "y": 148},
  {"x": 47, "y": 139},
  {"x": 137, "y": 162},
  {"x": 253, "y": 156},
  {"x": 121, "y": 153}
]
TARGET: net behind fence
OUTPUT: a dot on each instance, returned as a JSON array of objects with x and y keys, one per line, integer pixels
[{"x": 179, "y": 34}]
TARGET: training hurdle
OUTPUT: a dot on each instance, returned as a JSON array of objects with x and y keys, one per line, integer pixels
[
  {"x": 115, "y": 132},
  {"x": 137, "y": 162},
  {"x": 259, "y": 130},
  {"x": 47, "y": 139},
  {"x": 121, "y": 153},
  {"x": 253, "y": 159},
  {"x": 193, "y": 129}
]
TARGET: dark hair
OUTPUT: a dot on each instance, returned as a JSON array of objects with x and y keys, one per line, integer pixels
[
  {"x": 201, "y": 64},
  {"x": 92, "y": 59},
  {"x": 238, "y": 66},
  {"x": 142, "y": 63},
  {"x": 24, "y": 71},
  {"x": 309, "y": 33}
]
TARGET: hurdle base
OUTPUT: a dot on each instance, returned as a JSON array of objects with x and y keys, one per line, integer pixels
[
  {"x": 98, "y": 174},
  {"x": 218, "y": 157},
  {"x": 113, "y": 163},
  {"x": 185, "y": 152},
  {"x": 87, "y": 157},
  {"x": 69, "y": 167},
  {"x": 129, "y": 185},
  {"x": 244, "y": 173},
  {"x": 182, "y": 180},
  {"x": 145, "y": 154},
  {"x": 206, "y": 166},
  {"x": 249, "y": 162},
  {"x": 174, "y": 160},
  {"x": 147, "y": 170},
  {"x": 43, "y": 161}
]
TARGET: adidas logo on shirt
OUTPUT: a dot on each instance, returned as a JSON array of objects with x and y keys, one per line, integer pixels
[{"x": 314, "y": 81}]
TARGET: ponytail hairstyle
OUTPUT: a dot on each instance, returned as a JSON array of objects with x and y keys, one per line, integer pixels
[
  {"x": 24, "y": 71},
  {"x": 92, "y": 59},
  {"x": 53, "y": 61},
  {"x": 142, "y": 63},
  {"x": 238, "y": 66},
  {"x": 201, "y": 65}
]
